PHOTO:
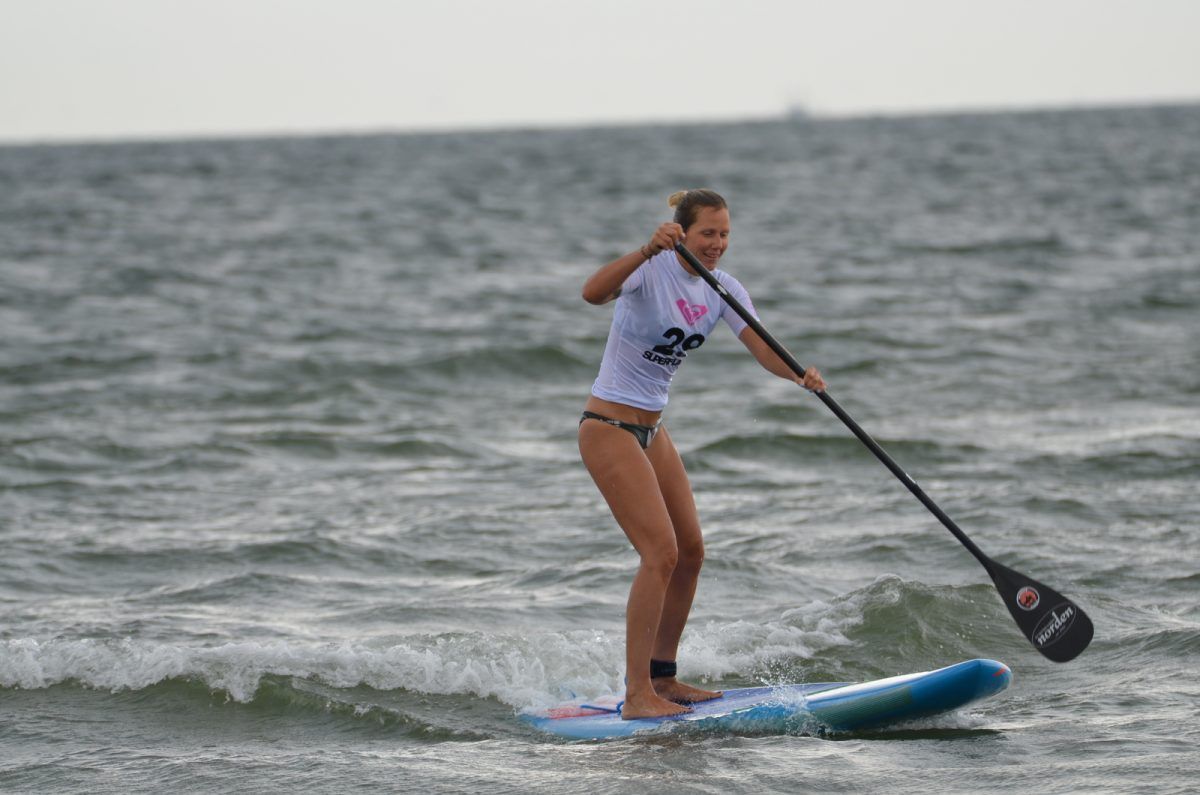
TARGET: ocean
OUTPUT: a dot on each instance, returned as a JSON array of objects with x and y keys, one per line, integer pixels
[{"x": 290, "y": 496}]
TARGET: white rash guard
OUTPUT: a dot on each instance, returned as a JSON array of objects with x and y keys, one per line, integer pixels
[{"x": 662, "y": 314}]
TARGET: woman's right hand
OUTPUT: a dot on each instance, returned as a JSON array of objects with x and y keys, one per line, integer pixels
[{"x": 665, "y": 237}]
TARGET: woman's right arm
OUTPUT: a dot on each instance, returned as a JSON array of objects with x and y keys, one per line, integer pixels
[{"x": 605, "y": 284}]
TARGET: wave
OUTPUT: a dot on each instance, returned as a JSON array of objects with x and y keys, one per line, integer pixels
[
  {"x": 515, "y": 671},
  {"x": 64, "y": 462},
  {"x": 889, "y": 627},
  {"x": 315, "y": 444},
  {"x": 54, "y": 366},
  {"x": 535, "y": 362},
  {"x": 34, "y": 458},
  {"x": 895, "y": 626},
  {"x": 1016, "y": 243},
  {"x": 1172, "y": 642},
  {"x": 1188, "y": 581},
  {"x": 809, "y": 446},
  {"x": 1170, "y": 459}
]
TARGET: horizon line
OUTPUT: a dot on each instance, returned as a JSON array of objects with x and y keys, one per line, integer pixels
[{"x": 797, "y": 113}]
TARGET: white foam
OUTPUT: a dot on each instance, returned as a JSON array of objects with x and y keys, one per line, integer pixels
[
  {"x": 517, "y": 671},
  {"x": 525, "y": 671}
]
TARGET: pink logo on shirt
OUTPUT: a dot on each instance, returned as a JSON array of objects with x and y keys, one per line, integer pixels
[{"x": 691, "y": 312}]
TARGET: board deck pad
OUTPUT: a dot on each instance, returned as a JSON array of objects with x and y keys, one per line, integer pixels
[{"x": 836, "y": 706}]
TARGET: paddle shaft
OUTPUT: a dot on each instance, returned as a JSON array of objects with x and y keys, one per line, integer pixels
[{"x": 833, "y": 405}]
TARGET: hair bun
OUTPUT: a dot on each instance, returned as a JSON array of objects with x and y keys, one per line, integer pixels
[{"x": 689, "y": 203}]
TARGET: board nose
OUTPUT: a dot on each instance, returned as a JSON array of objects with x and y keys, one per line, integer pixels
[{"x": 994, "y": 676}]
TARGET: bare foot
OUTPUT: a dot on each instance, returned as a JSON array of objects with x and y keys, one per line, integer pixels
[
  {"x": 681, "y": 693},
  {"x": 649, "y": 705}
]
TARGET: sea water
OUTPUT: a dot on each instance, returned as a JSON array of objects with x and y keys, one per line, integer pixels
[{"x": 290, "y": 497}]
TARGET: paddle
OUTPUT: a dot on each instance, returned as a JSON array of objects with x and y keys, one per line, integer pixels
[{"x": 1055, "y": 625}]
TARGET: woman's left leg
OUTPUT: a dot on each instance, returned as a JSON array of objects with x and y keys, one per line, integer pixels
[{"x": 681, "y": 505}]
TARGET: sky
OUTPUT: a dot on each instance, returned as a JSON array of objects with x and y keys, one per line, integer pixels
[{"x": 116, "y": 69}]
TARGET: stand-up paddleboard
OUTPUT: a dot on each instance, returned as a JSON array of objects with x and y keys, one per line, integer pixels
[{"x": 837, "y": 706}]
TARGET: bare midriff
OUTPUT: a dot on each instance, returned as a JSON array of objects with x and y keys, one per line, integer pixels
[{"x": 622, "y": 412}]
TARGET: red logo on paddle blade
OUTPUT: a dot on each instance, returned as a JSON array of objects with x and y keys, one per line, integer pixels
[{"x": 1028, "y": 598}]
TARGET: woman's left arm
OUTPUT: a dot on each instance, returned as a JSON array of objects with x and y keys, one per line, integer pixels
[{"x": 812, "y": 379}]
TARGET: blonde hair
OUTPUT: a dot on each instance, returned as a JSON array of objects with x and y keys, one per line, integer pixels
[{"x": 687, "y": 204}]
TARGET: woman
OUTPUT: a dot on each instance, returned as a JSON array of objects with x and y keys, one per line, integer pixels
[{"x": 664, "y": 312}]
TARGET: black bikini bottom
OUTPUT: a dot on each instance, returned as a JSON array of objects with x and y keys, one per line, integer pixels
[{"x": 643, "y": 433}]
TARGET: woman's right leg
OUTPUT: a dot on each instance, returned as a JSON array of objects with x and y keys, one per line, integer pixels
[{"x": 625, "y": 477}]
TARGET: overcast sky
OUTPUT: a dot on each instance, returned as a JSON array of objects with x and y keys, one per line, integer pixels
[{"x": 72, "y": 69}]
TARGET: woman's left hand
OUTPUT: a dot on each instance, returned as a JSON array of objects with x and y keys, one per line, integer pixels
[{"x": 812, "y": 380}]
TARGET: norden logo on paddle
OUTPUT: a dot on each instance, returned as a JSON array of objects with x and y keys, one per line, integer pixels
[{"x": 1054, "y": 625}]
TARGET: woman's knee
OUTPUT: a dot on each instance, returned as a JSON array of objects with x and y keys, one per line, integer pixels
[
  {"x": 661, "y": 559},
  {"x": 691, "y": 555}
]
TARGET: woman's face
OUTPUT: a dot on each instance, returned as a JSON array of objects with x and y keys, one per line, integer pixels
[{"x": 708, "y": 236}]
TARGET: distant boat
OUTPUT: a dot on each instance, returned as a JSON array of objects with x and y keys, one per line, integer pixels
[{"x": 797, "y": 112}]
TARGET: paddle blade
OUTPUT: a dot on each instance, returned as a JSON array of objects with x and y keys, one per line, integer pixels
[{"x": 1055, "y": 625}]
